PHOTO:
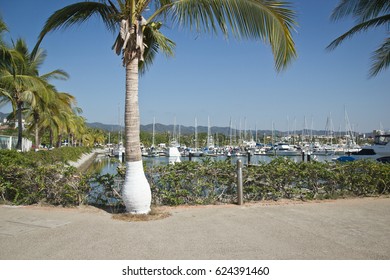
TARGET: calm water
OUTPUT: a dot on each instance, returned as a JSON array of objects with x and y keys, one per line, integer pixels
[{"x": 104, "y": 164}]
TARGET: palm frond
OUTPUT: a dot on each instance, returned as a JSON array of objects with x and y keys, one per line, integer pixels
[
  {"x": 21, "y": 83},
  {"x": 57, "y": 74},
  {"x": 142, "y": 5},
  {"x": 3, "y": 26},
  {"x": 5, "y": 56},
  {"x": 347, "y": 8},
  {"x": 155, "y": 41},
  {"x": 361, "y": 10},
  {"x": 381, "y": 58},
  {"x": 5, "y": 96},
  {"x": 76, "y": 14},
  {"x": 38, "y": 58},
  {"x": 383, "y": 20},
  {"x": 270, "y": 21}
]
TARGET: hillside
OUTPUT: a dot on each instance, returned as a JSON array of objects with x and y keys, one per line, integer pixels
[
  {"x": 184, "y": 130},
  {"x": 161, "y": 128}
]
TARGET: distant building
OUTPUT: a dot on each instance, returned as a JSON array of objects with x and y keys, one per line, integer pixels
[
  {"x": 9, "y": 143},
  {"x": 23, "y": 124}
]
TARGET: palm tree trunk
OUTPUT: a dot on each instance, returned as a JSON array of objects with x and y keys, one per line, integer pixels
[
  {"x": 51, "y": 140},
  {"x": 20, "y": 126},
  {"x": 36, "y": 137},
  {"x": 136, "y": 190},
  {"x": 36, "y": 120},
  {"x": 59, "y": 140}
]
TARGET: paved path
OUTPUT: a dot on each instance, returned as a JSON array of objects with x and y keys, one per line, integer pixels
[{"x": 342, "y": 229}]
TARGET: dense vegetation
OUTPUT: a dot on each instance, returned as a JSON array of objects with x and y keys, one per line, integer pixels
[
  {"x": 214, "y": 182},
  {"x": 42, "y": 177}
]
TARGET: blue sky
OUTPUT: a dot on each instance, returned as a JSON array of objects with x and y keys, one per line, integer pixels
[{"x": 210, "y": 76}]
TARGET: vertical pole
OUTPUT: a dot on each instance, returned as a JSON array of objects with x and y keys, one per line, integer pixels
[
  {"x": 239, "y": 183},
  {"x": 303, "y": 156},
  {"x": 249, "y": 157}
]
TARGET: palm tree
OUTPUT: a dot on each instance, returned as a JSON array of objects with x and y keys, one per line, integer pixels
[
  {"x": 57, "y": 115},
  {"x": 367, "y": 14},
  {"x": 40, "y": 115},
  {"x": 139, "y": 40},
  {"x": 21, "y": 84}
]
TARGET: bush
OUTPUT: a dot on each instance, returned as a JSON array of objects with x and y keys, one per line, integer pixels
[
  {"x": 42, "y": 177},
  {"x": 24, "y": 180},
  {"x": 212, "y": 182},
  {"x": 192, "y": 183}
]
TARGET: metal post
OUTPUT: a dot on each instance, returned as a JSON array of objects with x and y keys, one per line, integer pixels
[
  {"x": 239, "y": 183},
  {"x": 249, "y": 157},
  {"x": 189, "y": 156},
  {"x": 303, "y": 156}
]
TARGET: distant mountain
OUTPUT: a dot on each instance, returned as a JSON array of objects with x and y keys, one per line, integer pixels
[
  {"x": 107, "y": 127},
  {"x": 185, "y": 130}
]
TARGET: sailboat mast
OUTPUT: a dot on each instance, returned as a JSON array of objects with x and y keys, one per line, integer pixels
[
  {"x": 154, "y": 124},
  {"x": 230, "y": 132},
  {"x": 196, "y": 134}
]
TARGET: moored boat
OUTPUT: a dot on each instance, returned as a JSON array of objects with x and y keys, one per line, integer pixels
[
  {"x": 380, "y": 149},
  {"x": 284, "y": 149}
]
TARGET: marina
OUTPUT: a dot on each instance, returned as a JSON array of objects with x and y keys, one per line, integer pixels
[
  {"x": 104, "y": 164},
  {"x": 250, "y": 152}
]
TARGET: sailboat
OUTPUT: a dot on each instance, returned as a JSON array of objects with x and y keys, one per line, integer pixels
[
  {"x": 119, "y": 150},
  {"x": 210, "y": 149},
  {"x": 196, "y": 152},
  {"x": 173, "y": 151},
  {"x": 351, "y": 145},
  {"x": 153, "y": 152}
]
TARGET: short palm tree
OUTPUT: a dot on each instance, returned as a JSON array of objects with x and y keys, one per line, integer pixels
[
  {"x": 138, "y": 24},
  {"x": 56, "y": 115},
  {"x": 21, "y": 84},
  {"x": 368, "y": 14}
]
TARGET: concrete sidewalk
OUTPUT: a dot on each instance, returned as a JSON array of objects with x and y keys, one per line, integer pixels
[{"x": 342, "y": 229}]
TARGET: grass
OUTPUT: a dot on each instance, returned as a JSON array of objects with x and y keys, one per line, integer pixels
[{"x": 153, "y": 215}]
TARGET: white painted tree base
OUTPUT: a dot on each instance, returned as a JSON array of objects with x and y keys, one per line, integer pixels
[{"x": 136, "y": 192}]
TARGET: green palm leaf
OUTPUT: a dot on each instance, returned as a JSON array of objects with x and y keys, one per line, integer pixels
[
  {"x": 155, "y": 42},
  {"x": 381, "y": 58},
  {"x": 269, "y": 21},
  {"x": 368, "y": 14},
  {"x": 76, "y": 14},
  {"x": 361, "y": 10}
]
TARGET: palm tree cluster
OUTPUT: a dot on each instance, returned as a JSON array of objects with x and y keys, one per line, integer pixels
[{"x": 34, "y": 98}]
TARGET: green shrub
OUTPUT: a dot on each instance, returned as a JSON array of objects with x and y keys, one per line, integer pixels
[
  {"x": 210, "y": 182},
  {"x": 42, "y": 177}
]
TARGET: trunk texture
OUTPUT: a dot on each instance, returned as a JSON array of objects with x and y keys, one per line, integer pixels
[
  {"x": 136, "y": 190},
  {"x": 37, "y": 142},
  {"x": 132, "y": 121},
  {"x": 51, "y": 140},
  {"x": 20, "y": 126}
]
